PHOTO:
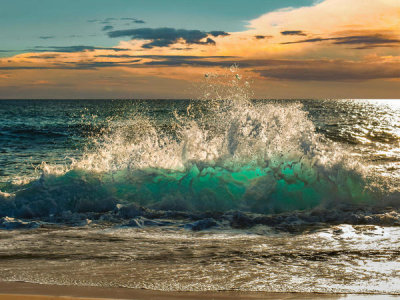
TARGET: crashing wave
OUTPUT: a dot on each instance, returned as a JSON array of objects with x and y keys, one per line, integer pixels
[{"x": 225, "y": 153}]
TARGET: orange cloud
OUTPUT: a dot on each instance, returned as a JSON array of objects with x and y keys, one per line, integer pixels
[{"x": 332, "y": 41}]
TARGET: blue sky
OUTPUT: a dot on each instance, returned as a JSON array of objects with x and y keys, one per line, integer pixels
[
  {"x": 161, "y": 48},
  {"x": 26, "y": 24}
]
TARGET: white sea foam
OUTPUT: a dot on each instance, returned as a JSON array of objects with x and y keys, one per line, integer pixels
[{"x": 228, "y": 153}]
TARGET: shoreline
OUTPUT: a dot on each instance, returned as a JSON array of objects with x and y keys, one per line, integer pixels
[{"x": 10, "y": 290}]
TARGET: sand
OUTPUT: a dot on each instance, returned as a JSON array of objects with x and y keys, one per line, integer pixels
[{"x": 29, "y": 291}]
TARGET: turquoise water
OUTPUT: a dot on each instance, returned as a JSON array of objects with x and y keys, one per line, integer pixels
[{"x": 260, "y": 157}]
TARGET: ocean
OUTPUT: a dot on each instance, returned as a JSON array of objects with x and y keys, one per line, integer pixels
[{"x": 202, "y": 195}]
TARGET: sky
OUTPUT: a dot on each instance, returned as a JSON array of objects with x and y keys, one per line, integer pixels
[{"x": 89, "y": 49}]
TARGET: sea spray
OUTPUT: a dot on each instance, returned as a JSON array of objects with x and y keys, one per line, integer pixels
[{"x": 223, "y": 153}]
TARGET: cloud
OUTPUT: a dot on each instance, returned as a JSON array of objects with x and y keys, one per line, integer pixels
[
  {"x": 293, "y": 32},
  {"x": 24, "y": 68},
  {"x": 327, "y": 19},
  {"x": 107, "y": 20},
  {"x": 116, "y": 56},
  {"x": 47, "y": 37},
  {"x": 43, "y": 56},
  {"x": 107, "y": 28},
  {"x": 180, "y": 60},
  {"x": 163, "y": 37},
  {"x": 306, "y": 49},
  {"x": 103, "y": 64},
  {"x": 217, "y": 33},
  {"x": 134, "y": 20},
  {"x": 182, "y": 48},
  {"x": 261, "y": 37},
  {"x": 70, "y": 49},
  {"x": 165, "y": 56},
  {"x": 93, "y": 65},
  {"x": 301, "y": 70},
  {"x": 111, "y": 20},
  {"x": 134, "y": 62},
  {"x": 328, "y": 70},
  {"x": 365, "y": 41}
]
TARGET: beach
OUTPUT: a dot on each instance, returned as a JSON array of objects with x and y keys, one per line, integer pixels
[
  {"x": 22, "y": 291},
  {"x": 28, "y": 291}
]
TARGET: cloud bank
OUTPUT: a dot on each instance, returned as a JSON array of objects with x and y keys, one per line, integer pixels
[
  {"x": 164, "y": 37},
  {"x": 335, "y": 47}
]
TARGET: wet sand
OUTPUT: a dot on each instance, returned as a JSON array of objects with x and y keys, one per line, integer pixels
[
  {"x": 29, "y": 291},
  {"x": 25, "y": 291}
]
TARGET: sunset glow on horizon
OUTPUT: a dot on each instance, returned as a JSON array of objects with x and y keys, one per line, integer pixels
[{"x": 320, "y": 49}]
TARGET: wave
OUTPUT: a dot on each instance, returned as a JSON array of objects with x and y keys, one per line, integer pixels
[{"x": 226, "y": 154}]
